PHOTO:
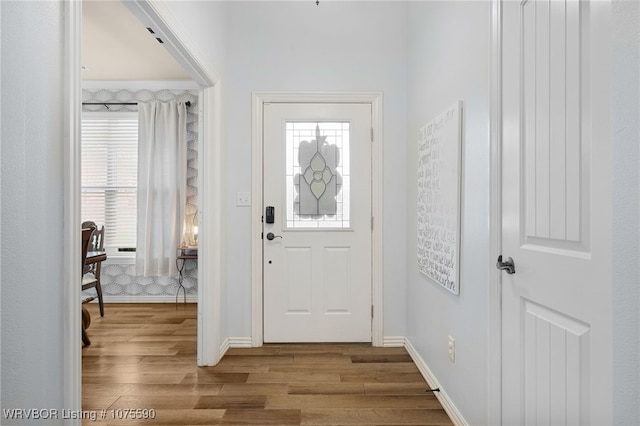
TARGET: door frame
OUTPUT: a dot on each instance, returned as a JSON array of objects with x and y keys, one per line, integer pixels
[
  {"x": 258, "y": 101},
  {"x": 72, "y": 367},
  {"x": 494, "y": 340}
]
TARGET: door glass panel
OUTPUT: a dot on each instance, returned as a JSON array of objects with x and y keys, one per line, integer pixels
[{"x": 317, "y": 175}]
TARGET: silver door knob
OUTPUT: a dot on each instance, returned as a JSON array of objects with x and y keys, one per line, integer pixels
[{"x": 507, "y": 265}]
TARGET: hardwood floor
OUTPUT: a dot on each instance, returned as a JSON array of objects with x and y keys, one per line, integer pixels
[{"x": 142, "y": 362}]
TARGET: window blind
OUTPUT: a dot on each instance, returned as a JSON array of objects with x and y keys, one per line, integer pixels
[{"x": 109, "y": 175}]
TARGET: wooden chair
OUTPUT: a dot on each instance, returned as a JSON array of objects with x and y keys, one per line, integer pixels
[
  {"x": 91, "y": 275},
  {"x": 86, "y": 319}
]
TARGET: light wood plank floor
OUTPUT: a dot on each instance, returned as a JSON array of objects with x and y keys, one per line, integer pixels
[{"x": 143, "y": 356}]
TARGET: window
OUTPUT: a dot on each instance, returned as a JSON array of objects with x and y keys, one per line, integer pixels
[
  {"x": 318, "y": 176},
  {"x": 109, "y": 176}
]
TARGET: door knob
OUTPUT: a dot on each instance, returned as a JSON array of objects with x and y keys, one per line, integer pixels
[
  {"x": 507, "y": 265},
  {"x": 271, "y": 236}
]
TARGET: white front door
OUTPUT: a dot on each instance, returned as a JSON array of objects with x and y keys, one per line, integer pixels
[
  {"x": 556, "y": 218},
  {"x": 317, "y": 222}
]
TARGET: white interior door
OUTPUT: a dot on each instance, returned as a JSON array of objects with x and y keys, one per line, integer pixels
[
  {"x": 317, "y": 251},
  {"x": 556, "y": 308}
]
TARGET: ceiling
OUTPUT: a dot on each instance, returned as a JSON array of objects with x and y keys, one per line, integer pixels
[{"x": 116, "y": 46}]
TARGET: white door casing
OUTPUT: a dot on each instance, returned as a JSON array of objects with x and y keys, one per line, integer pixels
[
  {"x": 556, "y": 218},
  {"x": 317, "y": 275}
]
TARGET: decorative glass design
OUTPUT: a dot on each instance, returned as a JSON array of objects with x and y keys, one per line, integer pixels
[
  {"x": 318, "y": 185},
  {"x": 317, "y": 175}
]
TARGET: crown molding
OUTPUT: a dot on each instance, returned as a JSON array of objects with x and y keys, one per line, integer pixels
[{"x": 140, "y": 85}]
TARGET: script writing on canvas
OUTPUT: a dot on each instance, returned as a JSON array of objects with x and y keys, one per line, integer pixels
[{"x": 439, "y": 145}]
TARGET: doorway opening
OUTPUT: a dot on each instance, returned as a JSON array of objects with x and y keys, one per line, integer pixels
[{"x": 209, "y": 275}]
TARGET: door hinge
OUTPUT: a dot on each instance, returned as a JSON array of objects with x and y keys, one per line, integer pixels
[
  {"x": 372, "y": 311},
  {"x": 372, "y": 134},
  {"x": 372, "y": 223}
]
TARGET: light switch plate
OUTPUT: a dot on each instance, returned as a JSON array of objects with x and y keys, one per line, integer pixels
[{"x": 243, "y": 199}]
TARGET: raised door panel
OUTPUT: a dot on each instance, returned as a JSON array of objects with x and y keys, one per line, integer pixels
[
  {"x": 554, "y": 154},
  {"x": 556, "y": 366}
]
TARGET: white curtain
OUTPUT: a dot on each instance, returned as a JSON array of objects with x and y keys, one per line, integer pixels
[{"x": 162, "y": 186}]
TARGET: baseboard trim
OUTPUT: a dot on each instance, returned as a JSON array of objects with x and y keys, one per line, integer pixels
[
  {"x": 393, "y": 341},
  {"x": 234, "y": 342},
  {"x": 147, "y": 299},
  {"x": 223, "y": 349},
  {"x": 445, "y": 401},
  {"x": 240, "y": 342}
]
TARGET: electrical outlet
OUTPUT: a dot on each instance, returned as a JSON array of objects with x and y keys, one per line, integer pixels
[{"x": 452, "y": 349}]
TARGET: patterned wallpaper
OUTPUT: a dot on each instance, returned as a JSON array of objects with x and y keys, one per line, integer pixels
[{"x": 119, "y": 281}]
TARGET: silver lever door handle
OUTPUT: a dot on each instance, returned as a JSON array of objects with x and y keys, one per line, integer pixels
[
  {"x": 271, "y": 236},
  {"x": 507, "y": 265}
]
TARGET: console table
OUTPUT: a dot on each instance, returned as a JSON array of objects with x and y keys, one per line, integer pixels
[{"x": 184, "y": 254}]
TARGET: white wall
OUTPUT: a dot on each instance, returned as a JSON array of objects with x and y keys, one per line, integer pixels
[
  {"x": 626, "y": 207},
  {"x": 449, "y": 61},
  {"x": 204, "y": 25},
  {"x": 298, "y": 46},
  {"x": 32, "y": 205}
]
